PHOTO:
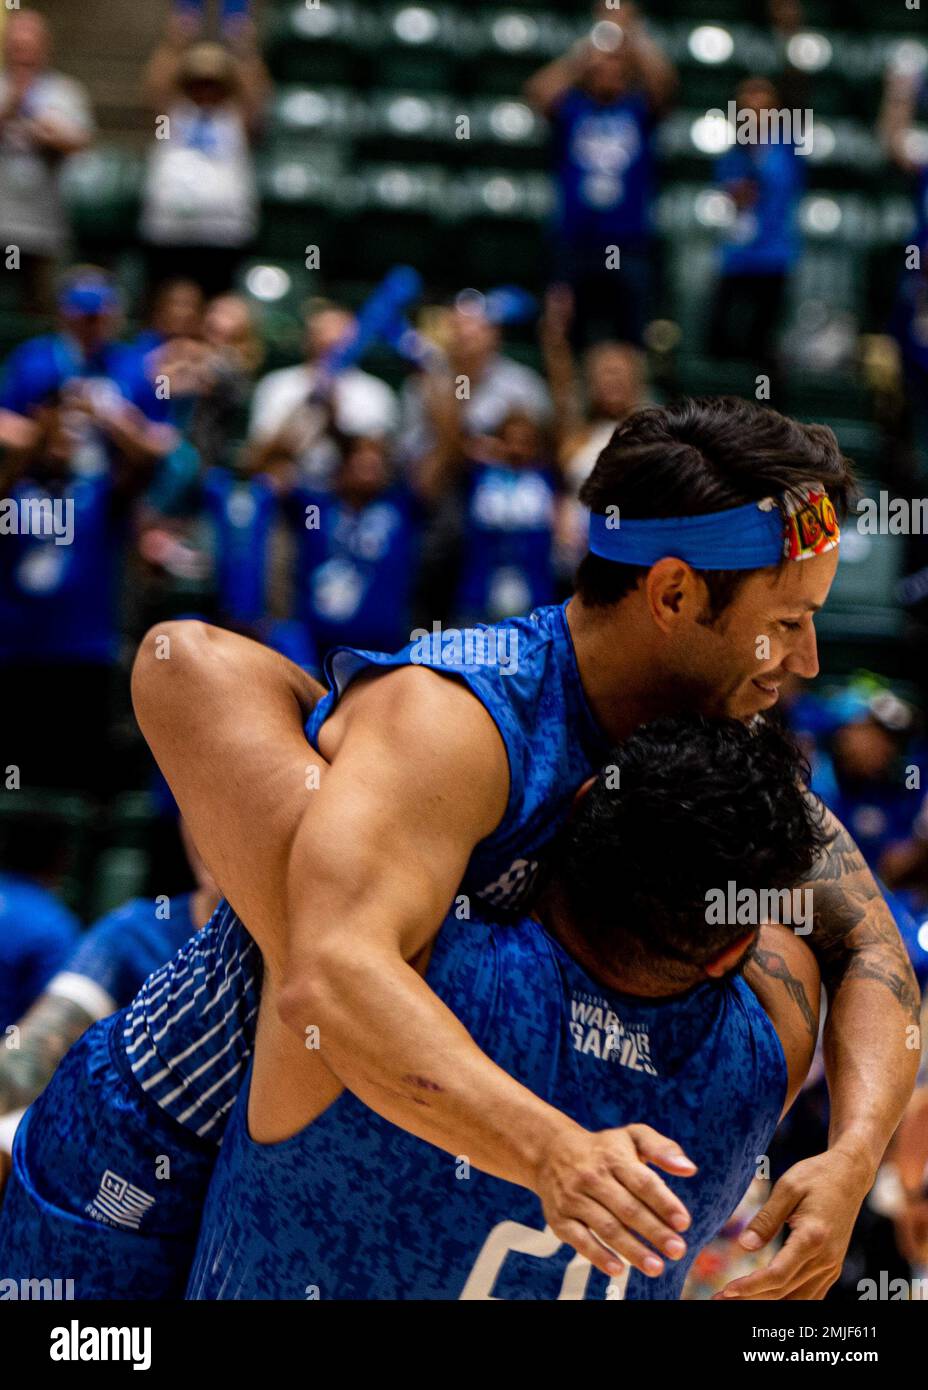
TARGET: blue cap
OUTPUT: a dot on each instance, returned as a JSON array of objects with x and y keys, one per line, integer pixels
[{"x": 89, "y": 294}]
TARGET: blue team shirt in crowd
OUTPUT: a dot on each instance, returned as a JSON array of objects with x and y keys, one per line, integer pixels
[
  {"x": 59, "y": 602},
  {"x": 242, "y": 512},
  {"x": 876, "y": 814},
  {"x": 119, "y": 952},
  {"x": 605, "y": 170},
  {"x": 36, "y": 934},
  {"x": 355, "y": 567},
  {"x": 43, "y": 365},
  {"x": 354, "y": 1208},
  {"x": 507, "y": 565},
  {"x": 764, "y": 238}
]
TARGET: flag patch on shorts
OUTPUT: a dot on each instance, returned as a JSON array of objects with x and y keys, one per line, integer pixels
[{"x": 119, "y": 1203}]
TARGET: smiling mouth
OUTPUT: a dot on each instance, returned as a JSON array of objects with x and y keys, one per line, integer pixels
[{"x": 767, "y": 687}]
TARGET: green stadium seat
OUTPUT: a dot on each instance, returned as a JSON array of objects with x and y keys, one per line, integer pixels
[
  {"x": 102, "y": 190},
  {"x": 121, "y": 874}
]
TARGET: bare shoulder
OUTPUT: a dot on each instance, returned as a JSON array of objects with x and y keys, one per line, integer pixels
[
  {"x": 433, "y": 728},
  {"x": 784, "y": 975}
]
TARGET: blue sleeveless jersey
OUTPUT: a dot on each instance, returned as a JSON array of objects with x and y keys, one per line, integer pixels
[
  {"x": 355, "y": 1208},
  {"x": 524, "y": 672},
  {"x": 190, "y": 1032}
]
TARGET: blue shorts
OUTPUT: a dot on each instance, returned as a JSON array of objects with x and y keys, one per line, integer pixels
[{"x": 106, "y": 1189}]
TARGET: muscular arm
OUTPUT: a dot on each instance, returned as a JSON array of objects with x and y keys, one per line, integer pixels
[
  {"x": 371, "y": 875},
  {"x": 783, "y": 974},
  {"x": 224, "y": 719},
  {"x": 871, "y": 1057},
  {"x": 873, "y": 999},
  {"x": 370, "y": 862}
]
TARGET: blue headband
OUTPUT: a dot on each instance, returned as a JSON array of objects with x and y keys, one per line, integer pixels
[{"x": 742, "y": 538}]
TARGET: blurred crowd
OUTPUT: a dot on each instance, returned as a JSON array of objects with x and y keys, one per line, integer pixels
[{"x": 153, "y": 469}]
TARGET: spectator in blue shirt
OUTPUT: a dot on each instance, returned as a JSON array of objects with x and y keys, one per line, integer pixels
[
  {"x": 114, "y": 409},
  {"x": 510, "y": 501},
  {"x": 602, "y": 100},
  {"x": 64, "y": 535},
  {"x": 357, "y": 550},
  {"x": 37, "y": 931},
  {"x": 764, "y": 179},
  {"x": 92, "y": 976}
]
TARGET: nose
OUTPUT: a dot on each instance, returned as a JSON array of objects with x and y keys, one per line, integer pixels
[{"x": 803, "y": 659}]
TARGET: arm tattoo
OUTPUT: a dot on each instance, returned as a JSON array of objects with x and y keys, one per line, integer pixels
[
  {"x": 853, "y": 933},
  {"x": 773, "y": 964},
  {"x": 45, "y": 1034}
]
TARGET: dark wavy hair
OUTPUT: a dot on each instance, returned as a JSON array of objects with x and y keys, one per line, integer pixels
[
  {"x": 704, "y": 455},
  {"x": 683, "y": 807}
]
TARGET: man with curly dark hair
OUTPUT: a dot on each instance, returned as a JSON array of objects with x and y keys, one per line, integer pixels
[
  {"x": 621, "y": 1003},
  {"x": 343, "y": 825}
]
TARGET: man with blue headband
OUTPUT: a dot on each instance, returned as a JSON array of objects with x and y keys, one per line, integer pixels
[{"x": 438, "y": 778}]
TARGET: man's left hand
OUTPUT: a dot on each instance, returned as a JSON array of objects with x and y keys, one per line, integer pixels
[{"x": 818, "y": 1199}]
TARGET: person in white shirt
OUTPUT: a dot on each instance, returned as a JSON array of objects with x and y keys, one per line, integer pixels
[
  {"x": 44, "y": 118},
  {"x": 200, "y": 202},
  {"x": 489, "y": 385},
  {"x": 284, "y": 418}
]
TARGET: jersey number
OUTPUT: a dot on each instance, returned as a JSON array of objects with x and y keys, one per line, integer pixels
[{"x": 512, "y": 1236}]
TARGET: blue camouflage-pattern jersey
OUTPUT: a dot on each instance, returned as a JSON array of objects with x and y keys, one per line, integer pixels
[
  {"x": 190, "y": 1032},
  {"x": 355, "y": 1208}
]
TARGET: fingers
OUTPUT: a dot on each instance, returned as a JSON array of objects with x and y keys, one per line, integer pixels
[
  {"x": 657, "y": 1148},
  {"x": 621, "y": 1235},
  {"x": 645, "y": 1185},
  {"x": 585, "y": 1243},
  {"x": 789, "y": 1269},
  {"x": 765, "y": 1224}
]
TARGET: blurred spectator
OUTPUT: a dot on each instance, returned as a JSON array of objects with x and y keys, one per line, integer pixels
[
  {"x": 44, "y": 117},
  {"x": 904, "y": 865},
  {"x": 206, "y": 358},
  {"x": 37, "y": 932},
  {"x": 233, "y": 13},
  {"x": 64, "y": 541},
  {"x": 100, "y": 972},
  {"x": 510, "y": 501},
  {"x": 200, "y": 201},
  {"x": 586, "y": 412},
  {"x": 357, "y": 550},
  {"x": 603, "y": 99},
  {"x": 176, "y": 312},
  {"x": 905, "y": 104},
  {"x": 764, "y": 179},
  {"x": 488, "y": 384},
  {"x": 909, "y": 326},
  {"x": 871, "y": 798},
  {"x": 113, "y": 411},
  {"x": 287, "y": 417},
  {"x": 795, "y": 84}
]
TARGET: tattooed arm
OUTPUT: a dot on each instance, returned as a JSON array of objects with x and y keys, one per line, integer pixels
[
  {"x": 783, "y": 974},
  {"x": 871, "y": 1033},
  {"x": 45, "y": 1033},
  {"x": 871, "y": 1057}
]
